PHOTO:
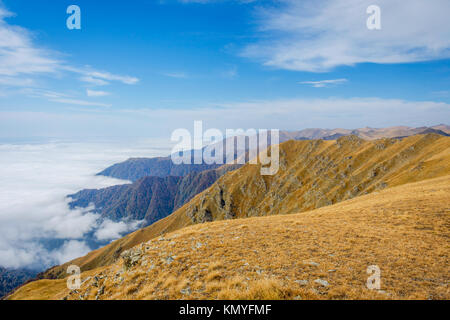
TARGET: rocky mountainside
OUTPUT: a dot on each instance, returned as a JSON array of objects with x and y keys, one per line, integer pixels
[
  {"x": 150, "y": 198},
  {"x": 320, "y": 254},
  {"x": 313, "y": 174},
  {"x": 12, "y": 278}
]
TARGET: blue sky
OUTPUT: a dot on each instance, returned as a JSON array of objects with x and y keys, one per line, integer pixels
[{"x": 145, "y": 68}]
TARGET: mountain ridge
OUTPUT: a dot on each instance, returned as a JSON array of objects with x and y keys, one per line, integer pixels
[
  {"x": 320, "y": 254},
  {"x": 312, "y": 174},
  {"x": 148, "y": 199},
  {"x": 136, "y": 168}
]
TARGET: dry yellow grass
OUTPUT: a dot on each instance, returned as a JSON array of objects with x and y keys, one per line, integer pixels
[
  {"x": 312, "y": 174},
  {"x": 404, "y": 230}
]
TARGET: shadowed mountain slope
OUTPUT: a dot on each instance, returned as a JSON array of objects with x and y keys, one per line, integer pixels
[
  {"x": 11, "y": 278},
  {"x": 136, "y": 168},
  {"x": 150, "y": 198},
  {"x": 312, "y": 174}
]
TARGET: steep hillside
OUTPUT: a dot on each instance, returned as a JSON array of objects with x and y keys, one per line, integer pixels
[
  {"x": 11, "y": 278},
  {"x": 319, "y": 254},
  {"x": 312, "y": 174},
  {"x": 149, "y": 198}
]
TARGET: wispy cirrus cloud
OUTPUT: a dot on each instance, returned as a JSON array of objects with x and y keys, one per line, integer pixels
[
  {"x": 230, "y": 73},
  {"x": 319, "y": 36},
  {"x": 324, "y": 83},
  {"x": 177, "y": 75},
  {"x": 18, "y": 55},
  {"x": 100, "y": 77},
  {"x": 95, "y": 93},
  {"x": 94, "y": 81},
  {"x": 78, "y": 102},
  {"x": 24, "y": 64},
  {"x": 64, "y": 98}
]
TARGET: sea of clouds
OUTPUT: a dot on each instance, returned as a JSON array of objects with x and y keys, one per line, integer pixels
[{"x": 37, "y": 228}]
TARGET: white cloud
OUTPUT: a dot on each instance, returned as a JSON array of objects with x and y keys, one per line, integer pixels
[
  {"x": 94, "y": 93},
  {"x": 101, "y": 77},
  {"x": 324, "y": 83},
  {"x": 317, "y": 37},
  {"x": 109, "y": 230},
  {"x": 64, "y": 98},
  {"x": 23, "y": 62},
  {"x": 35, "y": 179},
  {"x": 70, "y": 250},
  {"x": 94, "y": 81},
  {"x": 178, "y": 75},
  {"x": 16, "y": 82},
  {"x": 230, "y": 73},
  {"x": 17, "y": 53},
  {"x": 80, "y": 102}
]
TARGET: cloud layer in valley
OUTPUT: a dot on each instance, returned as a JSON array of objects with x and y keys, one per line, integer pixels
[{"x": 37, "y": 229}]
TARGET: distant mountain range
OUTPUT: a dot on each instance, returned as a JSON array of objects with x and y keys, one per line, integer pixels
[
  {"x": 150, "y": 198},
  {"x": 136, "y": 168},
  {"x": 364, "y": 133}
]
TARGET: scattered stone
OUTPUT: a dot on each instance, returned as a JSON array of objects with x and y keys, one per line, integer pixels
[
  {"x": 198, "y": 245},
  {"x": 311, "y": 263},
  {"x": 383, "y": 292},
  {"x": 169, "y": 260},
  {"x": 298, "y": 298},
  {"x": 86, "y": 280},
  {"x": 302, "y": 282},
  {"x": 186, "y": 291},
  {"x": 323, "y": 283},
  {"x": 332, "y": 270},
  {"x": 314, "y": 291},
  {"x": 131, "y": 258},
  {"x": 101, "y": 291}
]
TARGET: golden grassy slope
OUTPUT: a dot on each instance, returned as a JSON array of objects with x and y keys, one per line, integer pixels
[
  {"x": 404, "y": 230},
  {"x": 312, "y": 174}
]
